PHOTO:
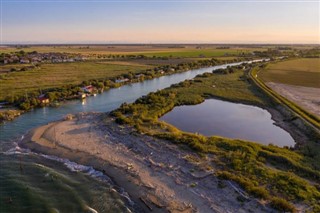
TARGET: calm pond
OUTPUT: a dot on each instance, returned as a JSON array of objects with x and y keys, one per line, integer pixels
[{"x": 227, "y": 119}]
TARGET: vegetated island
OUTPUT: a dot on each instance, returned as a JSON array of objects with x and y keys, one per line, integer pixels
[{"x": 164, "y": 168}]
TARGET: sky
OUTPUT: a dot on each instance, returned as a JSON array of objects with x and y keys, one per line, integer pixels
[{"x": 160, "y": 21}]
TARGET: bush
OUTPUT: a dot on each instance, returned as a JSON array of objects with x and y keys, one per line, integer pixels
[
  {"x": 25, "y": 105},
  {"x": 282, "y": 205},
  {"x": 260, "y": 192}
]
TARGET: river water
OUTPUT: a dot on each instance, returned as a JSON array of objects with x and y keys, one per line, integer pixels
[
  {"x": 105, "y": 102},
  {"x": 35, "y": 183}
]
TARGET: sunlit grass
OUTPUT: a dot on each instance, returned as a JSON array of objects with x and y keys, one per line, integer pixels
[{"x": 278, "y": 175}]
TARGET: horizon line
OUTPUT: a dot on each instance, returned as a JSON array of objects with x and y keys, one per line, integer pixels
[{"x": 160, "y": 43}]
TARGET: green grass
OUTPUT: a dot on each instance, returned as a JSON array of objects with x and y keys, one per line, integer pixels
[
  {"x": 56, "y": 75},
  {"x": 309, "y": 117},
  {"x": 300, "y": 72},
  {"x": 219, "y": 85},
  {"x": 184, "y": 53},
  {"x": 278, "y": 175},
  {"x": 158, "y": 51}
]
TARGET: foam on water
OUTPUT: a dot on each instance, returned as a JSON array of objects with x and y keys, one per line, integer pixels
[{"x": 75, "y": 167}]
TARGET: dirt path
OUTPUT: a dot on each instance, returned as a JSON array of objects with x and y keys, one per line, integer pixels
[{"x": 157, "y": 174}]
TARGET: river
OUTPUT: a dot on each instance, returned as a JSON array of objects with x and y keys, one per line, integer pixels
[{"x": 35, "y": 183}]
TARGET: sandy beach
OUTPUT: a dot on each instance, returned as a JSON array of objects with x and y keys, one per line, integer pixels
[{"x": 158, "y": 176}]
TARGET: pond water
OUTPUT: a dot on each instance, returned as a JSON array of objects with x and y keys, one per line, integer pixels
[{"x": 231, "y": 120}]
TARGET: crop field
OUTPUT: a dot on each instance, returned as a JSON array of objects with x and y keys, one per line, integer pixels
[
  {"x": 55, "y": 75},
  {"x": 147, "y": 50},
  {"x": 7, "y": 68},
  {"x": 197, "y": 53},
  {"x": 300, "y": 72},
  {"x": 158, "y": 62},
  {"x": 86, "y": 49}
]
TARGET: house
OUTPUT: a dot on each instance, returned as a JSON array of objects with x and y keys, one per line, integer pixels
[
  {"x": 43, "y": 99},
  {"x": 36, "y": 59},
  {"x": 88, "y": 89},
  {"x": 161, "y": 71},
  {"x": 78, "y": 58},
  {"x": 24, "y": 61},
  {"x": 122, "y": 80},
  {"x": 56, "y": 60},
  {"x": 3, "y": 104},
  {"x": 139, "y": 75}
]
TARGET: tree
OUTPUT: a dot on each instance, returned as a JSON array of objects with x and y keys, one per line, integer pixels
[
  {"x": 25, "y": 105},
  {"x": 52, "y": 96},
  {"x": 100, "y": 85}
]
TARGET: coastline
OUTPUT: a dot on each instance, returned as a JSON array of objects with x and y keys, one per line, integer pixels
[{"x": 156, "y": 174}]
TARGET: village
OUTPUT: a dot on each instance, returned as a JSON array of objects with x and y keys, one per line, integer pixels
[{"x": 22, "y": 57}]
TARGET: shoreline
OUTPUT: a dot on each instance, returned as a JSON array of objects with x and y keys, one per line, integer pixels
[
  {"x": 132, "y": 81},
  {"x": 156, "y": 174},
  {"x": 279, "y": 115}
]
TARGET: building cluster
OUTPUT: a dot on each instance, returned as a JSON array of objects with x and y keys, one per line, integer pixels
[{"x": 35, "y": 57}]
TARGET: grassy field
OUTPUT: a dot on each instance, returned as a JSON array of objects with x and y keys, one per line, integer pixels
[
  {"x": 161, "y": 62},
  {"x": 8, "y": 67},
  {"x": 219, "y": 85},
  {"x": 276, "y": 175},
  {"x": 300, "y": 72},
  {"x": 147, "y": 50},
  {"x": 55, "y": 75},
  {"x": 309, "y": 117},
  {"x": 197, "y": 53}
]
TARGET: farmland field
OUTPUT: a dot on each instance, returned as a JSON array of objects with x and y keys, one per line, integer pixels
[
  {"x": 147, "y": 50},
  {"x": 59, "y": 74},
  {"x": 297, "y": 80},
  {"x": 55, "y": 75},
  {"x": 299, "y": 72}
]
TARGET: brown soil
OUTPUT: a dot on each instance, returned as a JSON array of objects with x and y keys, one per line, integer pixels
[{"x": 306, "y": 97}]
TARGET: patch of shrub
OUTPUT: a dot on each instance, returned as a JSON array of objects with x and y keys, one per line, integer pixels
[{"x": 282, "y": 205}]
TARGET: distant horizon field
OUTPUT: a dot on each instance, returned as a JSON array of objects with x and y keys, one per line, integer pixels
[
  {"x": 148, "y": 50},
  {"x": 299, "y": 72}
]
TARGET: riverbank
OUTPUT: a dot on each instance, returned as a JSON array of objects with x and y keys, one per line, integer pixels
[
  {"x": 9, "y": 115},
  {"x": 51, "y": 95},
  {"x": 156, "y": 174}
]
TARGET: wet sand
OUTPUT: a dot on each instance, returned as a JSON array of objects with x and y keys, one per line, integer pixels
[{"x": 158, "y": 176}]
